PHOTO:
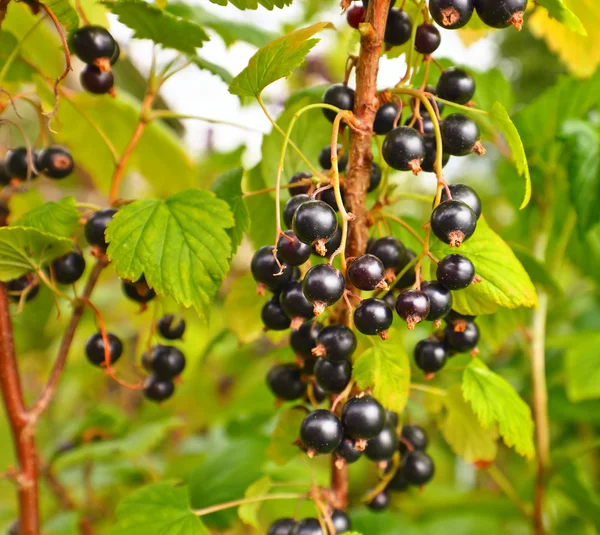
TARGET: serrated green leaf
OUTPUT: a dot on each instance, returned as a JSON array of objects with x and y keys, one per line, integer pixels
[
  {"x": 160, "y": 508},
  {"x": 213, "y": 68},
  {"x": 253, "y": 4},
  {"x": 385, "y": 369},
  {"x": 463, "y": 432},
  {"x": 248, "y": 512},
  {"x": 261, "y": 209},
  {"x": 16, "y": 70},
  {"x": 276, "y": 60},
  {"x": 242, "y": 310},
  {"x": 23, "y": 250},
  {"x": 57, "y": 218},
  {"x": 559, "y": 11},
  {"x": 536, "y": 270},
  {"x": 281, "y": 449},
  {"x": 65, "y": 13},
  {"x": 495, "y": 402},
  {"x": 150, "y": 22},
  {"x": 181, "y": 245},
  {"x": 582, "y": 367},
  {"x": 229, "y": 188},
  {"x": 505, "y": 283},
  {"x": 504, "y": 123}
]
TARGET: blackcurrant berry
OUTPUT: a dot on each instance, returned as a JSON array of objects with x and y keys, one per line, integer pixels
[
  {"x": 398, "y": 28},
  {"x": 383, "y": 446},
  {"x": 456, "y": 85},
  {"x": 333, "y": 377},
  {"x": 291, "y": 250},
  {"x": 95, "y": 227},
  {"x": 363, "y": 417},
  {"x": 427, "y": 39},
  {"x": 321, "y": 432},
  {"x": 156, "y": 389},
  {"x": 291, "y": 206},
  {"x": 453, "y": 222},
  {"x": 331, "y": 245},
  {"x": 380, "y": 502},
  {"x": 5, "y": 177},
  {"x": 390, "y": 251},
  {"x": 273, "y": 316},
  {"x": 318, "y": 394},
  {"x": 301, "y": 188},
  {"x": 418, "y": 467},
  {"x": 167, "y": 363},
  {"x": 451, "y": 14},
  {"x": 336, "y": 342},
  {"x": 412, "y": 306},
  {"x": 308, "y": 526},
  {"x": 390, "y": 299},
  {"x": 304, "y": 340},
  {"x": 68, "y": 268},
  {"x": 266, "y": 271},
  {"x": 348, "y": 450},
  {"x": 430, "y": 355},
  {"x": 399, "y": 482},
  {"x": 404, "y": 149},
  {"x": 285, "y": 381},
  {"x": 117, "y": 53},
  {"x": 460, "y": 135},
  {"x": 366, "y": 272},
  {"x": 440, "y": 299},
  {"x": 95, "y": 80},
  {"x": 341, "y": 522},
  {"x": 462, "y": 340},
  {"x": 424, "y": 126},
  {"x": 391, "y": 419},
  {"x": 314, "y": 223},
  {"x": 25, "y": 283},
  {"x": 373, "y": 316},
  {"x": 283, "y": 526},
  {"x": 455, "y": 272},
  {"x": 384, "y": 118},
  {"x": 415, "y": 436},
  {"x": 466, "y": 194},
  {"x": 55, "y": 162},
  {"x": 294, "y": 304},
  {"x": 430, "y": 155},
  {"x": 171, "y": 327},
  {"x": 339, "y": 95},
  {"x": 328, "y": 196},
  {"x": 94, "y": 348},
  {"x": 501, "y": 13},
  {"x": 374, "y": 178},
  {"x": 325, "y": 158},
  {"x": 16, "y": 163},
  {"x": 93, "y": 42},
  {"x": 410, "y": 276},
  {"x": 323, "y": 286},
  {"x": 355, "y": 16},
  {"x": 138, "y": 290},
  {"x": 149, "y": 356},
  {"x": 454, "y": 317}
]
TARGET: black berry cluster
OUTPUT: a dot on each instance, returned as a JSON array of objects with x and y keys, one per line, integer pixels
[
  {"x": 54, "y": 162},
  {"x": 312, "y": 526},
  {"x": 454, "y": 14}
]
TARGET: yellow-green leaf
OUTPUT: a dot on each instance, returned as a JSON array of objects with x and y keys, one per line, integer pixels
[
  {"x": 58, "y": 218},
  {"x": 248, "y": 512},
  {"x": 229, "y": 188},
  {"x": 242, "y": 309},
  {"x": 582, "y": 367},
  {"x": 557, "y": 9},
  {"x": 65, "y": 13},
  {"x": 281, "y": 449}
]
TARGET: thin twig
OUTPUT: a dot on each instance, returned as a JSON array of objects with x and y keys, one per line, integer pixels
[{"x": 243, "y": 501}]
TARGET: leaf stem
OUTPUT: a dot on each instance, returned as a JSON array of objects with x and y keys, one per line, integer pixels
[
  {"x": 243, "y": 501},
  {"x": 506, "y": 486},
  {"x": 428, "y": 389},
  {"x": 168, "y": 114}
]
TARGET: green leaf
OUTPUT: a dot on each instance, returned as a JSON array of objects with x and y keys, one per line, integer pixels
[
  {"x": 583, "y": 165},
  {"x": 23, "y": 250},
  {"x": 276, "y": 60},
  {"x": 582, "y": 367},
  {"x": 281, "y": 449},
  {"x": 385, "y": 368},
  {"x": 248, "y": 512},
  {"x": 253, "y": 4},
  {"x": 58, "y": 218},
  {"x": 229, "y": 188},
  {"x": 181, "y": 245},
  {"x": 213, "y": 68},
  {"x": 65, "y": 13},
  {"x": 165, "y": 29},
  {"x": 16, "y": 70},
  {"x": 505, "y": 283},
  {"x": 559, "y": 11},
  {"x": 242, "y": 310},
  {"x": 463, "y": 432},
  {"x": 536, "y": 270},
  {"x": 261, "y": 209},
  {"x": 495, "y": 401},
  {"x": 504, "y": 123},
  {"x": 159, "y": 508}
]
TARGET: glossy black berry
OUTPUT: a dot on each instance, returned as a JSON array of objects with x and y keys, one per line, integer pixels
[
  {"x": 399, "y": 482},
  {"x": 266, "y": 271},
  {"x": 328, "y": 196},
  {"x": 116, "y": 54},
  {"x": 424, "y": 126},
  {"x": 462, "y": 339},
  {"x": 410, "y": 276},
  {"x": 430, "y": 355},
  {"x": 383, "y": 446},
  {"x": 366, "y": 272},
  {"x": 348, "y": 450},
  {"x": 373, "y": 316},
  {"x": 318, "y": 394},
  {"x": 331, "y": 245},
  {"x": 323, "y": 286},
  {"x": 16, "y": 163},
  {"x": 380, "y": 502},
  {"x": 138, "y": 290},
  {"x": 404, "y": 149},
  {"x": 355, "y": 16},
  {"x": 96, "y": 81},
  {"x": 390, "y": 251},
  {"x": 291, "y": 250},
  {"x": 453, "y": 222},
  {"x": 466, "y": 194},
  {"x": 391, "y": 419},
  {"x": 333, "y": 377},
  {"x": 304, "y": 340},
  {"x": 167, "y": 363},
  {"x": 95, "y": 227},
  {"x": 339, "y": 95},
  {"x": 156, "y": 389},
  {"x": 336, "y": 343},
  {"x": 430, "y": 155},
  {"x": 398, "y": 28},
  {"x": 314, "y": 222},
  {"x": 501, "y": 13},
  {"x": 385, "y": 117},
  {"x": 68, "y": 268},
  {"x": 55, "y": 162},
  {"x": 460, "y": 135},
  {"x": 94, "y": 348},
  {"x": 415, "y": 436},
  {"x": 440, "y": 300},
  {"x": 321, "y": 431},
  {"x": 283, "y": 526},
  {"x": 285, "y": 381},
  {"x": 308, "y": 526},
  {"x": 341, "y": 522},
  {"x": 412, "y": 306},
  {"x": 16, "y": 287},
  {"x": 455, "y": 272},
  {"x": 456, "y": 85},
  {"x": 325, "y": 158},
  {"x": 427, "y": 39},
  {"x": 93, "y": 42},
  {"x": 418, "y": 467},
  {"x": 451, "y": 14},
  {"x": 5, "y": 177},
  {"x": 363, "y": 417},
  {"x": 294, "y": 303},
  {"x": 374, "y": 178},
  {"x": 273, "y": 316},
  {"x": 301, "y": 188},
  {"x": 171, "y": 327}
]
